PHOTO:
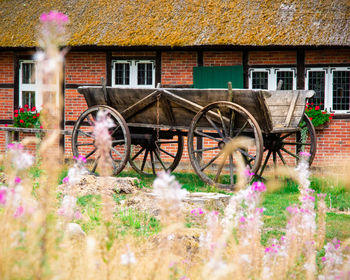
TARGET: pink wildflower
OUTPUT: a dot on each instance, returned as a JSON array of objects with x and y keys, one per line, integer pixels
[
  {"x": 19, "y": 212},
  {"x": 65, "y": 180},
  {"x": 306, "y": 154},
  {"x": 259, "y": 210},
  {"x": 78, "y": 215},
  {"x": 242, "y": 219},
  {"x": 323, "y": 259},
  {"x": 54, "y": 17},
  {"x": 17, "y": 180},
  {"x": 258, "y": 187},
  {"x": 3, "y": 193},
  {"x": 247, "y": 172}
]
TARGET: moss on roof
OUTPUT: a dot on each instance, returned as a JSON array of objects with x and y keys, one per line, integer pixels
[{"x": 183, "y": 22}]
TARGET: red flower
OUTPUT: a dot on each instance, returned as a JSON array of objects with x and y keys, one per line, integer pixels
[
  {"x": 310, "y": 108},
  {"x": 310, "y": 119},
  {"x": 330, "y": 117},
  {"x": 324, "y": 112},
  {"x": 312, "y": 103},
  {"x": 317, "y": 108},
  {"x": 21, "y": 110},
  {"x": 21, "y": 121},
  {"x": 307, "y": 104},
  {"x": 321, "y": 103},
  {"x": 38, "y": 115},
  {"x": 34, "y": 117},
  {"x": 28, "y": 110},
  {"x": 33, "y": 109},
  {"x": 41, "y": 126},
  {"x": 6, "y": 125},
  {"x": 16, "y": 116},
  {"x": 26, "y": 106},
  {"x": 16, "y": 111}
]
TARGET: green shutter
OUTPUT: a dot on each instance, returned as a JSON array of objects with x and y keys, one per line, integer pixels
[{"x": 218, "y": 76}]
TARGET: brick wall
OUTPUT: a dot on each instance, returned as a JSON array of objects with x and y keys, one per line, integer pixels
[
  {"x": 272, "y": 57},
  {"x": 85, "y": 68},
  {"x": 222, "y": 58},
  {"x": 177, "y": 68},
  {"x": 6, "y": 69},
  {"x": 333, "y": 143},
  {"x": 327, "y": 56}
]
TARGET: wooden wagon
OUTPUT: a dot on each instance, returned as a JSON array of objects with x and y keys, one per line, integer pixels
[{"x": 150, "y": 125}]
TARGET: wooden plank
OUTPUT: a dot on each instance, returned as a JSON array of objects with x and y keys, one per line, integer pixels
[
  {"x": 291, "y": 110},
  {"x": 141, "y": 104},
  {"x": 167, "y": 110}
]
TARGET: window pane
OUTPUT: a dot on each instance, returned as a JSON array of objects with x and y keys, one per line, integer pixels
[
  {"x": 259, "y": 80},
  {"x": 144, "y": 73},
  {"x": 317, "y": 83},
  {"x": 28, "y": 98},
  {"x": 122, "y": 73},
  {"x": 341, "y": 92},
  {"x": 28, "y": 73},
  {"x": 287, "y": 78}
]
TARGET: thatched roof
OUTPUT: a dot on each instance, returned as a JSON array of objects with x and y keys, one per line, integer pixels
[{"x": 183, "y": 22}]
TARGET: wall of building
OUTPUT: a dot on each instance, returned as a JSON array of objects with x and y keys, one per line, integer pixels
[{"x": 86, "y": 68}]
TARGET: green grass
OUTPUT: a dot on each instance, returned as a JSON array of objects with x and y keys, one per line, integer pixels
[{"x": 275, "y": 204}]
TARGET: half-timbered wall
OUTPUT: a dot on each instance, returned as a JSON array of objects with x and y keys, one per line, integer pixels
[{"x": 175, "y": 68}]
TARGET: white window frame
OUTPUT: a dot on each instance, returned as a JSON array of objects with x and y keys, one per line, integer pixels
[
  {"x": 272, "y": 76},
  {"x": 133, "y": 73},
  {"x": 328, "y": 93},
  {"x": 29, "y": 87}
]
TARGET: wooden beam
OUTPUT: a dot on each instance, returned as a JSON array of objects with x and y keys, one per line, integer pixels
[{"x": 140, "y": 105}]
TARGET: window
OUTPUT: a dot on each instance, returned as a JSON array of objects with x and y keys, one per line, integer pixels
[
  {"x": 28, "y": 87},
  {"x": 133, "y": 73},
  {"x": 268, "y": 78},
  {"x": 332, "y": 87}
]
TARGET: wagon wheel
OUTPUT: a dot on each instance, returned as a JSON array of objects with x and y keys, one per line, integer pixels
[
  {"x": 151, "y": 154},
  {"x": 283, "y": 145},
  {"x": 224, "y": 121},
  {"x": 83, "y": 140}
]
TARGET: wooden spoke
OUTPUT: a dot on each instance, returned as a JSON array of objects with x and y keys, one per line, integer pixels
[
  {"x": 206, "y": 135},
  {"x": 152, "y": 162},
  {"x": 138, "y": 153},
  {"x": 231, "y": 125},
  {"x": 85, "y": 144},
  {"x": 91, "y": 122},
  {"x": 206, "y": 149},
  {"x": 290, "y": 153},
  {"x": 95, "y": 165},
  {"x": 243, "y": 152},
  {"x": 144, "y": 160},
  {"x": 231, "y": 169},
  {"x": 160, "y": 160},
  {"x": 117, "y": 152},
  {"x": 115, "y": 129},
  {"x": 222, "y": 123},
  {"x": 287, "y": 135},
  {"x": 241, "y": 129},
  {"x": 274, "y": 158},
  {"x": 89, "y": 154},
  {"x": 281, "y": 157},
  {"x": 120, "y": 141},
  {"x": 214, "y": 126},
  {"x": 85, "y": 133},
  {"x": 166, "y": 152},
  {"x": 265, "y": 162},
  {"x": 220, "y": 169},
  {"x": 211, "y": 161}
]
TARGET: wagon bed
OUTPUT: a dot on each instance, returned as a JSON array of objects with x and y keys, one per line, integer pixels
[
  {"x": 151, "y": 122},
  {"x": 139, "y": 108}
]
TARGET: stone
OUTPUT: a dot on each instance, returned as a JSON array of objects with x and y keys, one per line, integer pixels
[{"x": 90, "y": 184}]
